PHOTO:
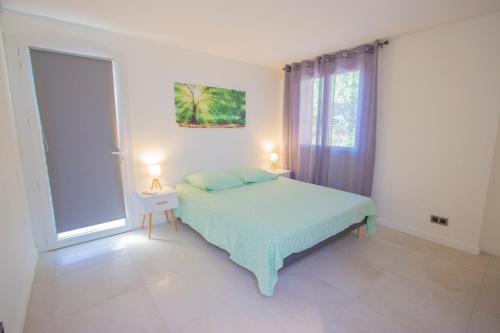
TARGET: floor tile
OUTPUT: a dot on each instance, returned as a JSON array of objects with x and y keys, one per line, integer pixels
[
  {"x": 48, "y": 328},
  {"x": 460, "y": 283},
  {"x": 405, "y": 240},
  {"x": 489, "y": 295},
  {"x": 376, "y": 251},
  {"x": 84, "y": 255},
  {"x": 346, "y": 273},
  {"x": 483, "y": 323},
  {"x": 305, "y": 320},
  {"x": 493, "y": 269},
  {"x": 217, "y": 322},
  {"x": 186, "y": 296},
  {"x": 433, "y": 249},
  {"x": 40, "y": 314},
  {"x": 320, "y": 299},
  {"x": 149, "y": 271},
  {"x": 86, "y": 287},
  {"x": 128, "y": 313},
  {"x": 141, "y": 249},
  {"x": 178, "y": 282},
  {"x": 410, "y": 304},
  {"x": 358, "y": 318},
  {"x": 45, "y": 270}
]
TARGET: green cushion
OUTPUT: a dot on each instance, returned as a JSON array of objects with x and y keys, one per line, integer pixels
[
  {"x": 252, "y": 175},
  {"x": 213, "y": 180}
]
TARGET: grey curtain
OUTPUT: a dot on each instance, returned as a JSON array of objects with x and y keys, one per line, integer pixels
[{"x": 329, "y": 119}]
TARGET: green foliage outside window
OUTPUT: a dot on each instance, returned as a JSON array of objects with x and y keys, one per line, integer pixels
[{"x": 344, "y": 109}]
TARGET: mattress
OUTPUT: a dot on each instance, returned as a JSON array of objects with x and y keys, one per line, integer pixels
[{"x": 261, "y": 224}]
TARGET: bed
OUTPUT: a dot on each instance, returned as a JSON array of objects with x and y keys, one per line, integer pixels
[{"x": 266, "y": 224}]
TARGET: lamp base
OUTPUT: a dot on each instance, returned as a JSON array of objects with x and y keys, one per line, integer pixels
[{"x": 155, "y": 185}]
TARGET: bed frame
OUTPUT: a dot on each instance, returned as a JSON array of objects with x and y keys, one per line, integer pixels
[
  {"x": 360, "y": 232},
  {"x": 299, "y": 255}
]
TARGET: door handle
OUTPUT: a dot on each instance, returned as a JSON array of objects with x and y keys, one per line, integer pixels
[{"x": 118, "y": 153}]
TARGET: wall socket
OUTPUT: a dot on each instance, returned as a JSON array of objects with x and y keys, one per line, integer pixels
[{"x": 439, "y": 220}]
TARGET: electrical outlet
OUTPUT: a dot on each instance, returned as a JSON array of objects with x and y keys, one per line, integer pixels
[{"x": 439, "y": 220}]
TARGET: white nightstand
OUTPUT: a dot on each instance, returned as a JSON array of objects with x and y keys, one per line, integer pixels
[
  {"x": 281, "y": 172},
  {"x": 165, "y": 201}
]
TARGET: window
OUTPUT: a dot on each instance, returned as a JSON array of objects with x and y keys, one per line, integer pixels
[
  {"x": 345, "y": 90},
  {"x": 343, "y": 111}
]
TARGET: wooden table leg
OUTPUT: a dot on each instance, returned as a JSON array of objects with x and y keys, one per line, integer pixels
[
  {"x": 150, "y": 220},
  {"x": 143, "y": 217},
  {"x": 166, "y": 215},
  {"x": 174, "y": 224}
]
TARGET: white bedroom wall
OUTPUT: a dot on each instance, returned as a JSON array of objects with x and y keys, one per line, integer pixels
[
  {"x": 490, "y": 234},
  {"x": 17, "y": 251},
  {"x": 148, "y": 71},
  {"x": 439, "y": 105}
]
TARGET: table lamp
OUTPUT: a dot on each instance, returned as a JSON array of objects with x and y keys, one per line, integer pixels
[
  {"x": 155, "y": 172},
  {"x": 273, "y": 157}
]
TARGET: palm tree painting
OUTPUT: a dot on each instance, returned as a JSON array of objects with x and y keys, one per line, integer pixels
[{"x": 203, "y": 106}]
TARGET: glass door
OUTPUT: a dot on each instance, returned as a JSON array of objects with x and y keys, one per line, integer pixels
[{"x": 77, "y": 109}]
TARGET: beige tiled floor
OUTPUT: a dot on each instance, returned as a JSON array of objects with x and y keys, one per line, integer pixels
[{"x": 177, "y": 282}]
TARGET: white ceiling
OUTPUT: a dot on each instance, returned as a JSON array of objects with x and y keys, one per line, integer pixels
[{"x": 266, "y": 32}]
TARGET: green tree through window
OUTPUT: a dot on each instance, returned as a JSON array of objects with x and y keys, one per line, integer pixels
[
  {"x": 345, "y": 91},
  {"x": 344, "y": 109}
]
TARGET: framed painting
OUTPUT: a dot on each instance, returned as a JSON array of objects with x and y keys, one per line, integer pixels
[{"x": 201, "y": 106}]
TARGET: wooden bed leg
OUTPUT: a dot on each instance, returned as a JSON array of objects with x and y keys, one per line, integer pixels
[
  {"x": 360, "y": 233},
  {"x": 150, "y": 220}
]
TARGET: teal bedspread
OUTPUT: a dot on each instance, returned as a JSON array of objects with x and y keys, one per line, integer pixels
[{"x": 261, "y": 224}]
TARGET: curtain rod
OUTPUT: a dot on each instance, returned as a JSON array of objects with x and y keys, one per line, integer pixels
[
  {"x": 379, "y": 44},
  {"x": 382, "y": 44}
]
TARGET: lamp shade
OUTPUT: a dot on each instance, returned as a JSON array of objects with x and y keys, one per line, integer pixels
[
  {"x": 273, "y": 157},
  {"x": 155, "y": 170}
]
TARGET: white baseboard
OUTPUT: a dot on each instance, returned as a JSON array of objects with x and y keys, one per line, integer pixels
[
  {"x": 470, "y": 248},
  {"x": 489, "y": 250}
]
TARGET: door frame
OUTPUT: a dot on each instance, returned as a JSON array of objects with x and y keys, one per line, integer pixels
[{"x": 30, "y": 136}]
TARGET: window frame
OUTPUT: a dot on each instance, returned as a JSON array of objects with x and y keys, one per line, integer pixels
[
  {"x": 357, "y": 119},
  {"x": 333, "y": 147}
]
